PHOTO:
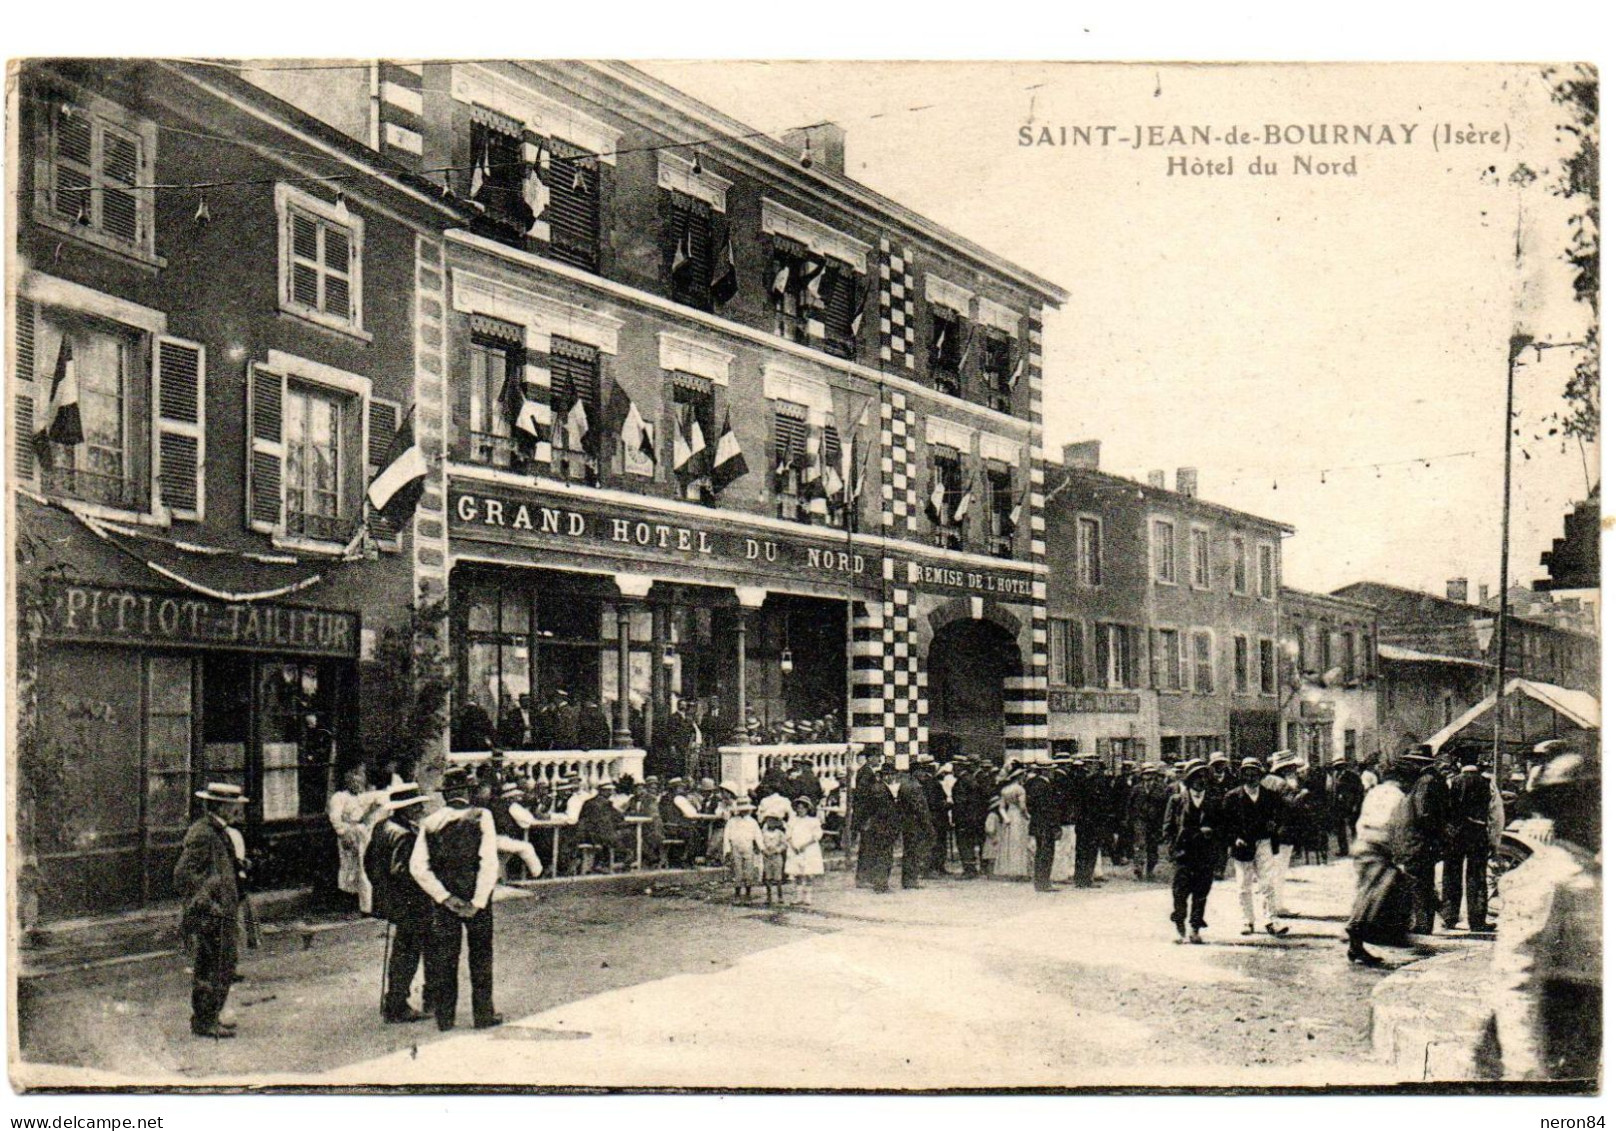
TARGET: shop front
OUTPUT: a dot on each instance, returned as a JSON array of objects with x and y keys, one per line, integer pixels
[
  {"x": 143, "y": 696},
  {"x": 1116, "y": 726},
  {"x": 600, "y": 637}
]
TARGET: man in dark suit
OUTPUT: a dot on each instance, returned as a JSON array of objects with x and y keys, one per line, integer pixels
[
  {"x": 600, "y": 823},
  {"x": 1251, "y": 818},
  {"x": 879, "y": 827},
  {"x": 207, "y": 881},
  {"x": 937, "y": 812},
  {"x": 1191, "y": 827},
  {"x": 914, "y": 825},
  {"x": 1346, "y": 800},
  {"x": 973, "y": 793},
  {"x": 1088, "y": 812},
  {"x": 397, "y": 898},
  {"x": 1045, "y": 812},
  {"x": 1464, "y": 868},
  {"x": 1428, "y": 825},
  {"x": 564, "y": 722},
  {"x": 456, "y": 861}
]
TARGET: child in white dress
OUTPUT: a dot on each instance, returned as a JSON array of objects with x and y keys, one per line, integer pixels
[{"x": 804, "y": 858}]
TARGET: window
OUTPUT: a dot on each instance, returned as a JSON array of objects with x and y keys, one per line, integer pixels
[
  {"x": 832, "y": 296},
  {"x": 103, "y": 358},
  {"x": 947, "y": 503},
  {"x": 1266, "y": 579},
  {"x": 306, "y": 468},
  {"x": 573, "y": 178},
  {"x": 790, "y": 459},
  {"x": 1205, "y": 682},
  {"x": 1164, "y": 552},
  {"x": 1115, "y": 656},
  {"x": 1237, "y": 554},
  {"x": 497, "y": 172},
  {"x": 574, "y": 409},
  {"x": 1349, "y": 658},
  {"x": 1001, "y": 510},
  {"x": 791, "y": 269},
  {"x": 694, "y": 436},
  {"x": 690, "y": 251},
  {"x": 496, "y": 364},
  {"x": 1166, "y": 673},
  {"x": 321, "y": 249},
  {"x": 1201, "y": 557},
  {"x": 1065, "y": 652},
  {"x": 91, "y": 164},
  {"x": 947, "y": 350},
  {"x": 1267, "y": 669},
  {"x": 1088, "y": 551},
  {"x": 314, "y": 464},
  {"x": 1326, "y": 651},
  {"x": 998, "y": 369},
  {"x": 1242, "y": 665}
]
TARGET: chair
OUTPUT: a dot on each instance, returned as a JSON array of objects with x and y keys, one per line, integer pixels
[{"x": 588, "y": 852}]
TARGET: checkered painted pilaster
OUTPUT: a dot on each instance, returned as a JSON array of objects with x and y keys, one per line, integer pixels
[
  {"x": 897, "y": 270},
  {"x": 903, "y": 684},
  {"x": 900, "y": 489},
  {"x": 430, "y": 536},
  {"x": 399, "y": 112},
  {"x": 1026, "y": 696},
  {"x": 869, "y": 700}
]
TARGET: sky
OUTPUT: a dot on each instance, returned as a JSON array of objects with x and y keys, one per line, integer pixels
[{"x": 1307, "y": 342}]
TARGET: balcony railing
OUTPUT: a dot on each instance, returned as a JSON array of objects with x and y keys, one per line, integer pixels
[
  {"x": 91, "y": 487},
  {"x": 321, "y": 527},
  {"x": 496, "y": 451},
  {"x": 1002, "y": 546}
]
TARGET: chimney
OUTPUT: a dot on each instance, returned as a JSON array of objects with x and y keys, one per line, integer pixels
[
  {"x": 1481, "y": 593},
  {"x": 826, "y": 145},
  {"x": 1186, "y": 481},
  {"x": 1459, "y": 589},
  {"x": 1085, "y": 455}
]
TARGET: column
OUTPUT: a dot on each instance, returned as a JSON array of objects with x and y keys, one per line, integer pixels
[
  {"x": 750, "y": 598},
  {"x": 634, "y": 588}
]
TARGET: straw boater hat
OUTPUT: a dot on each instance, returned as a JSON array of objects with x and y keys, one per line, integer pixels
[
  {"x": 1250, "y": 763},
  {"x": 1193, "y": 766},
  {"x": 405, "y": 795},
  {"x": 512, "y": 790},
  {"x": 1217, "y": 756},
  {"x": 223, "y": 792},
  {"x": 1283, "y": 760}
]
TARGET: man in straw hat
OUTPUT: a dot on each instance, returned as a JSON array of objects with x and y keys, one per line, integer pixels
[
  {"x": 399, "y": 899},
  {"x": 1192, "y": 841},
  {"x": 207, "y": 881},
  {"x": 456, "y": 862}
]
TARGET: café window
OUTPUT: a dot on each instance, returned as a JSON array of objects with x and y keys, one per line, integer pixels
[
  {"x": 948, "y": 505},
  {"x": 573, "y": 177},
  {"x": 497, "y": 172},
  {"x": 998, "y": 368},
  {"x": 496, "y": 366},
  {"x": 947, "y": 349},
  {"x": 1167, "y": 660},
  {"x": 574, "y": 409},
  {"x": 790, "y": 459},
  {"x": 691, "y": 404},
  {"x": 1065, "y": 652},
  {"x": 690, "y": 251},
  {"x": 1002, "y": 510}
]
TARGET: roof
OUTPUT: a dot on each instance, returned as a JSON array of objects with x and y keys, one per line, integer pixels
[
  {"x": 1306, "y": 596},
  {"x": 1161, "y": 495},
  {"x": 1579, "y": 707},
  {"x": 1409, "y": 655},
  {"x": 720, "y": 127}
]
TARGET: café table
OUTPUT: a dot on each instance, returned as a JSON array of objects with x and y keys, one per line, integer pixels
[{"x": 639, "y": 824}]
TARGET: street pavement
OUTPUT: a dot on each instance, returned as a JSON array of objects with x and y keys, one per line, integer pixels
[{"x": 980, "y": 984}]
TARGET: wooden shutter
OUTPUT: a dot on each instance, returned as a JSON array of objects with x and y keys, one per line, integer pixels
[
  {"x": 1186, "y": 662},
  {"x": 24, "y": 398},
  {"x": 120, "y": 172},
  {"x": 1079, "y": 661},
  {"x": 178, "y": 376},
  {"x": 266, "y": 450},
  {"x": 837, "y": 293},
  {"x": 574, "y": 374},
  {"x": 790, "y": 437},
  {"x": 574, "y": 213},
  {"x": 339, "y": 272},
  {"x": 383, "y": 425},
  {"x": 73, "y": 163}
]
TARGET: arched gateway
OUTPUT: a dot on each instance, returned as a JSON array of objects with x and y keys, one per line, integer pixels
[{"x": 969, "y": 666}]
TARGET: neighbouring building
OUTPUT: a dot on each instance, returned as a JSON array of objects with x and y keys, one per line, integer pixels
[
  {"x": 1329, "y": 675},
  {"x": 1165, "y": 617},
  {"x": 203, "y": 381}
]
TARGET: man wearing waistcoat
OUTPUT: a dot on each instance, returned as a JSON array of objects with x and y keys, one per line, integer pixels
[
  {"x": 456, "y": 862},
  {"x": 399, "y": 899},
  {"x": 207, "y": 881}
]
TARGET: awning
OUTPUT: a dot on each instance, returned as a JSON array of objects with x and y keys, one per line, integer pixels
[
  {"x": 1409, "y": 655},
  {"x": 1577, "y": 707}
]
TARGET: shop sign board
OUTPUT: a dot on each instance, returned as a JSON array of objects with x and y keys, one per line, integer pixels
[
  {"x": 120, "y": 615},
  {"x": 1070, "y": 700}
]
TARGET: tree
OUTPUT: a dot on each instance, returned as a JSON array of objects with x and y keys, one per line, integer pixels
[{"x": 1576, "y": 88}]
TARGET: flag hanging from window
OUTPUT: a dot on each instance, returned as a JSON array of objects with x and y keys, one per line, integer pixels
[
  {"x": 967, "y": 500},
  {"x": 965, "y": 350},
  {"x": 577, "y": 425},
  {"x": 1015, "y": 514},
  {"x": 698, "y": 439},
  {"x": 782, "y": 279},
  {"x": 724, "y": 284},
  {"x": 934, "y": 503},
  {"x": 681, "y": 255},
  {"x": 397, "y": 487},
  {"x": 525, "y": 414},
  {"x": 63, "y": 424},
  {"x": 729, "y": 462},
  {"x": 479, "y": 172},
  {"x": 535, "y": 195},
  {"x": 636, "y": 433},
  {"x": 860, "y": 300},
  {"x": 1017, "y": 369},
  {"x": 579, "y": 184},
  {"x": 813, "y": 273},
  {"x": 942, "y": 336}
]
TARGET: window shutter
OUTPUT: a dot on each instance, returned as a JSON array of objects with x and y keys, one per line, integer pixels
[
  {"x": 179, "y": 378},
  {"x": 383, "y": 424},
  {"x": 1186, "y": 665},
  {"x": 303, "y": 278},
  {"x": 23, "y": 405},
  {"x": 790, "y": 437},
  {"x": 75, "y": 140},
  {"x": 339, "y": 266},
  {"x": 574, "y": 211},
  {"x": 266, "y": 451},
  {"x": 120, "y": 172},
  {"x": 1078, "y": 659},
  {"x": 1136, "y": 659}
]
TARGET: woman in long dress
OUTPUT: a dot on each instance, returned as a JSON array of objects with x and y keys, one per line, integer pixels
[
  {"x": 352, "y": 812},
  {"x": 1382, "y": 852},
  {"x": 1012, "y": 849}
]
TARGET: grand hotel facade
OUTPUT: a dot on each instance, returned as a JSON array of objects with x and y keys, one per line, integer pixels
[{"x": 717, "y": 439}]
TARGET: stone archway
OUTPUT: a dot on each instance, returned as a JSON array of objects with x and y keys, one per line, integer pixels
[{"x": 968, "y": 666}]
